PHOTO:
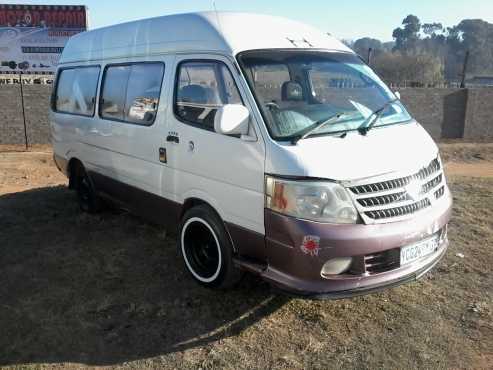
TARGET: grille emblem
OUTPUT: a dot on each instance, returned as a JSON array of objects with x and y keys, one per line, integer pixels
[{"x": 413, "y": 189}]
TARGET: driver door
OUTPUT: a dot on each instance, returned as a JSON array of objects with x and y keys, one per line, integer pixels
[{"x": 225, "y": 171}]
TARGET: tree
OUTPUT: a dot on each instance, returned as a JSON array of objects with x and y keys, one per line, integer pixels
[
  {"x": 431, "y": 29},
  {"x": 415, "y": 70},
  {"x": 407, "y": 37},
  {"x": 475, "y": 36},
  {"x": 430, "y": 52},
  {"x": 362, "y": 46}
]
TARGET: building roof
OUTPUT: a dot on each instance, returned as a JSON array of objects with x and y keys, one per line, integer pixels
[{"x": 224, "y": 32}]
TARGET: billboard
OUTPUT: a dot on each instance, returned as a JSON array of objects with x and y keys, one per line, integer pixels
[{"x": 32, "y": 37}]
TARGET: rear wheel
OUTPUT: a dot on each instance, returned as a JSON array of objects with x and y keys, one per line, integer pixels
[
  {"x": 206, "y": 249},
  {"x": 86, "y": 195}
]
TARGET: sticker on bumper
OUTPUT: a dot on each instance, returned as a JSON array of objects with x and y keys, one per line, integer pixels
[{"x": 311, "y": 245}]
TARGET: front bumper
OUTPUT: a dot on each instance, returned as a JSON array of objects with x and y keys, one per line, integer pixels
[{"x": 291, "y": 269}]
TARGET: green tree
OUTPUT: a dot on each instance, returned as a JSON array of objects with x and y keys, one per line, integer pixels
[
  {"x": 475, "y": 36},
  {"x": 431, "y": 29},
  {"x": 407, "y": 37}
]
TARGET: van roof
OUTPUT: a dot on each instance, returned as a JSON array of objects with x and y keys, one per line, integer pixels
[{"x": 225, "y": 32}]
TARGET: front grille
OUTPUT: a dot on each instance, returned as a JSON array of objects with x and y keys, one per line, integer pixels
[
  {"x": 383, "y": 199},
  {"x": 393, "y": 199},
  {"x": 439, "y": 193},
  {"x": 431, "y": 184},
  {"x": 399, "y": 211},
  {"x": 424, "y": 173}
]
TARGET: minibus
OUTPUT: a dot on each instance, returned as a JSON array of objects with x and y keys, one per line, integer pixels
[{"x": 268, "y": 146}]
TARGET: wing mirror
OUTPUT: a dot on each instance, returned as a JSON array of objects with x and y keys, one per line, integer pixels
[
  {"x": 232, "y": 119},
  {"x": 397, "y": 94}
]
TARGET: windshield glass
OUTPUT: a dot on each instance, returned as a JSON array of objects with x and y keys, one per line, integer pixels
[{"x": 298, "y": 90}]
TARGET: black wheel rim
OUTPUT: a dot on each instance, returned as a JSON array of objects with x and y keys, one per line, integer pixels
[{"x": 201, "y": 250}]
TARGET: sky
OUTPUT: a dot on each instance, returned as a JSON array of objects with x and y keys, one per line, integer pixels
[{"x": 344, "y": 19}]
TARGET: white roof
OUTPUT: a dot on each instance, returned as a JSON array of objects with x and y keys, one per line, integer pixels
[{"x": 224, "y": 32}]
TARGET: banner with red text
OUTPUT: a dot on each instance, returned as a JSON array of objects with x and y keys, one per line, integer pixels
[{"x": 32, "y": 37}]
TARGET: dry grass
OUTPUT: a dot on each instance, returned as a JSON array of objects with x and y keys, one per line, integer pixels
[{"x": 110, "y": 290}]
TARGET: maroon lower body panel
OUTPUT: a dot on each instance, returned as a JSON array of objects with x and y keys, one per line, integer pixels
[
  {"x": 291, "y": 268},
  {"x": 150, "y": 207}
]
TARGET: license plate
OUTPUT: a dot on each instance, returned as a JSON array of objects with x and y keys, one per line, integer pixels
[{"x": 414, "y": 252}]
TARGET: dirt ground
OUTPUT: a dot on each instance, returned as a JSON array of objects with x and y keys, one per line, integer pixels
[{"x": 110, "y": 290}]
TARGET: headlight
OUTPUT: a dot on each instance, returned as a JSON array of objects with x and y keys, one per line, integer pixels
[{"x": 316, "y": 201}]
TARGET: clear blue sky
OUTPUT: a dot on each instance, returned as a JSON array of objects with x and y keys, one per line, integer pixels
[{"x": 348, "y": 19}]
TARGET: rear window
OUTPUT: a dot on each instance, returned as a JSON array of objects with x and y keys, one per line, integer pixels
[
  {"x": 76, "y": 90},
  {"x": 130, "y": 93}
]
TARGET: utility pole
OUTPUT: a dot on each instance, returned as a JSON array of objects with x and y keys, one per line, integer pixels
[
  {"x": 464, "y": 71},
  {"x": 23, "y": 110}
]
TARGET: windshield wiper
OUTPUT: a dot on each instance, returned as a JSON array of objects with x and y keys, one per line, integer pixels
[
  {"x": 363, "y": 130},
  {"x": 317, "y": 126}
]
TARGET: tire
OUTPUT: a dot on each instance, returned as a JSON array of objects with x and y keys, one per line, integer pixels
[
  {"x": 86, "y": 194},
  {"x": 206, "y": 249}
]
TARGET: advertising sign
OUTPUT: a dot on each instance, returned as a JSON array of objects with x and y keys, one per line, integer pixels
[{"x": 32, "y": 37}]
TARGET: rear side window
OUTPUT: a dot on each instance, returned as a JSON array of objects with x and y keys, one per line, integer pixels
[
  {"x": 114, "y": 92},
  {"x": 202, "y": 88},
  {"x": 130, "y": 93},
  {"x": 76, "y": 90}
]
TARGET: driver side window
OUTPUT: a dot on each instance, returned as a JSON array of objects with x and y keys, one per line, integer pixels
[{"x": 202, "y": 88}]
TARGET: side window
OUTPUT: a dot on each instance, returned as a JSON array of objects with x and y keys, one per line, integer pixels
[
  {"x": 131, "y": 92},
  {"x": 76, "y": 90},
  {"x": 113, "y": 92},
  {"x": 202, "y": 88},
  {"x": 143, "y": 90}
]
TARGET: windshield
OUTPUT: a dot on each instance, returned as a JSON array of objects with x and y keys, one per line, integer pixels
[{"x": 297, "y": 90}]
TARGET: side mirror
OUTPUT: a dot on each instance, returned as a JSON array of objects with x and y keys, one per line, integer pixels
[
  {"x": 232, "y": 119},
  {"x": 397, "y": 94}
]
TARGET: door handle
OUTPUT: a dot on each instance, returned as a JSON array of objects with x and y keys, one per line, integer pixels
[{"x": 173, "y": 139}]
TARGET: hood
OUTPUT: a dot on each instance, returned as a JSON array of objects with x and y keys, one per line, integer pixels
[{"x": 406, "y": 147}]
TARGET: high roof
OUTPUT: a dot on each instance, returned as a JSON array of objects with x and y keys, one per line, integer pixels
[{"x": 224, "y": 32}]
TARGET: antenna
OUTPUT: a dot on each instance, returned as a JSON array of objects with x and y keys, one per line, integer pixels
[{"x": 217, "y": 18}]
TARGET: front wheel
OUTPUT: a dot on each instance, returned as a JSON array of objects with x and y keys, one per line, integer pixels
[{"x": 206, "y": 249}]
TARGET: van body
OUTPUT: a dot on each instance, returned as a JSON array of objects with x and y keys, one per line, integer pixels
[{"x": 269, "y": 146}]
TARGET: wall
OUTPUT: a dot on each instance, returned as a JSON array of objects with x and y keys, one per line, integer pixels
[
  {"x": 479, "y": 115},
  {"x": 11, "y": 122},
  {"x": 36, "y": 108},
  {"x": 440, "y": 111},
  {"x": 444, "y": 113}
]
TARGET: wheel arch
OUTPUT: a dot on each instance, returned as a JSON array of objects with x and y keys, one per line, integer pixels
[
  {"x": 73, "y": 165},
  {"x": 196, "y": 200}
]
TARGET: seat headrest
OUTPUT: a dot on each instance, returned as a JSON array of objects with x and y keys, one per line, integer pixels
[
  {"x": 291, "y": 91},
  {"x": 193, "y": 93}
]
